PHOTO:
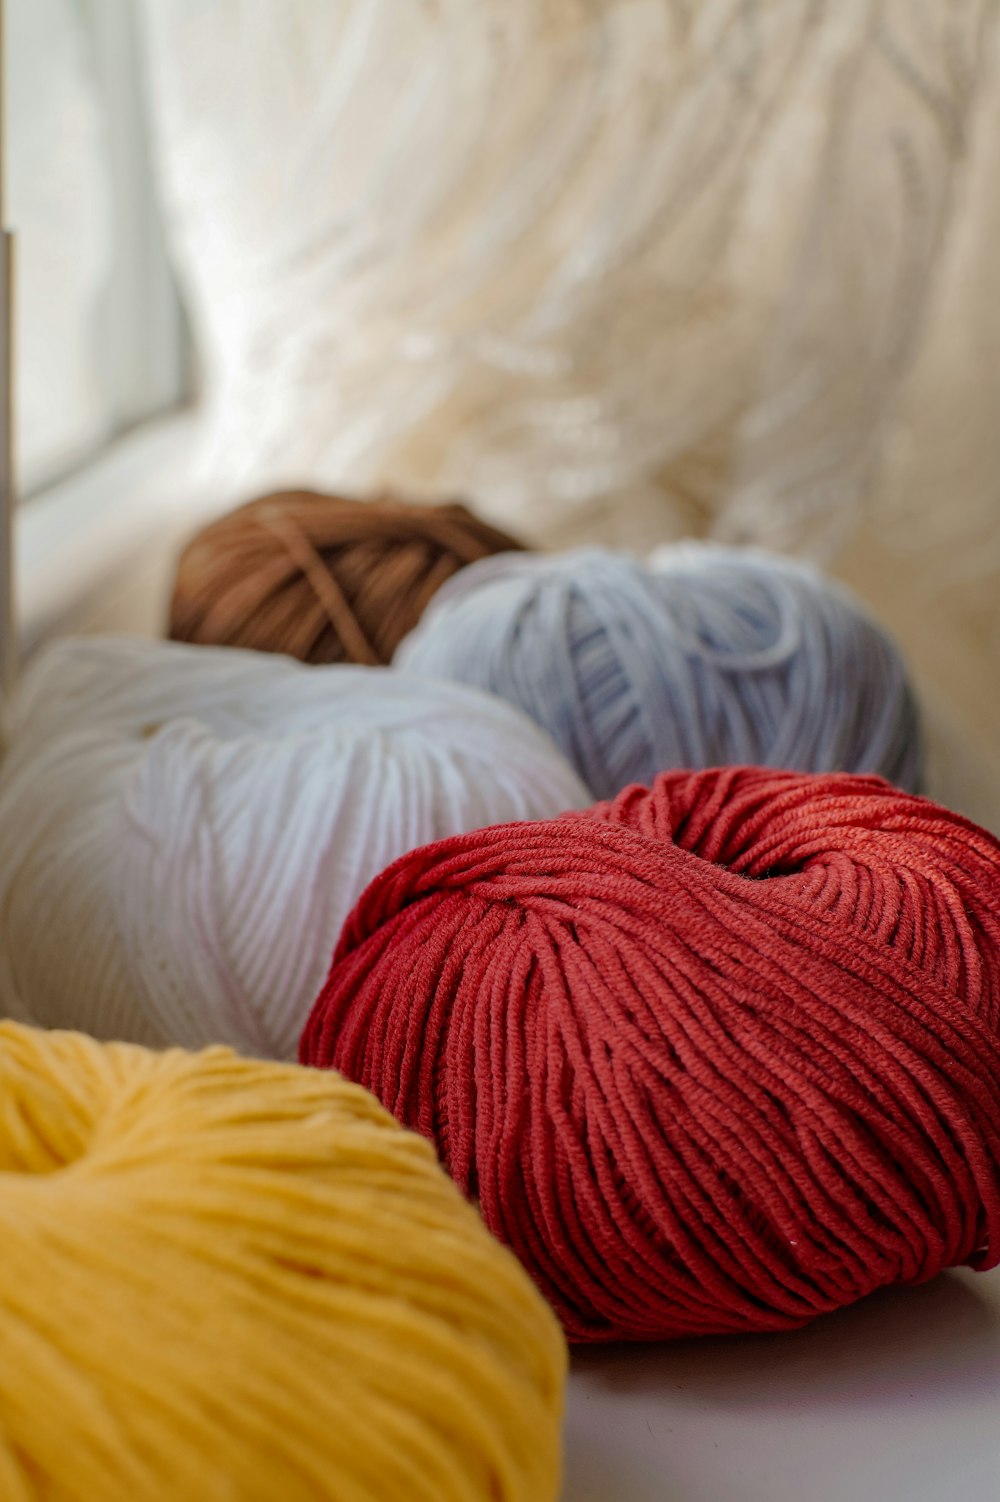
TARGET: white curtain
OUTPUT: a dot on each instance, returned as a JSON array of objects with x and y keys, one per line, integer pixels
[{"x": 620, "y": 269}]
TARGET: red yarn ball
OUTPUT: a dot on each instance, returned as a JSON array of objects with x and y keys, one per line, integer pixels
[{"x": 719, "y": 1056}]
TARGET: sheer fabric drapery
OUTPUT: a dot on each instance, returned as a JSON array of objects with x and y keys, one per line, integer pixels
[{"x": 617, "y": 270}]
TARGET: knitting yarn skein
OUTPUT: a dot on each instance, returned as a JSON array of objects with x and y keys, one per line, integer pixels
[
  {"x": 321, "y": 577},
  {"x": 722, "y": 1055},
  {"x": 224, "y": 1279},
  {"x": 708, "y": 656},
  {"x": 183, "y": 830}
]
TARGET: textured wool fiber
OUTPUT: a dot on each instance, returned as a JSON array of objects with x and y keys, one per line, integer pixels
[
  {"x": 183, "y": 830},
  {"x": 718, "y": 1056},
  {"x": 321, "y": 577},
  {"x": 228, "y": 1281},
  {"x": 706, "y": 656}
]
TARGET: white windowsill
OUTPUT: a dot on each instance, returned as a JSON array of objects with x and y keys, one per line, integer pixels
[{"x": 95, "y": 552}]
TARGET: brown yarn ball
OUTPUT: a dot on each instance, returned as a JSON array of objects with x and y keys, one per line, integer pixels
[{"x": 320, "y": 577}]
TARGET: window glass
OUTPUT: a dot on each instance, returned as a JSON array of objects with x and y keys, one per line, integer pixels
[{"x": 99, "y": 334}]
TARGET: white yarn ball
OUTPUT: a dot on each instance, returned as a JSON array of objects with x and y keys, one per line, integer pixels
[{"x": 183, "y": 830}]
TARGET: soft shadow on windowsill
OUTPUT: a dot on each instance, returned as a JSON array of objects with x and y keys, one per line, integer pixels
[
  {"x": 941, "y": 1334},
  {"x": 894, "y": 1398}
]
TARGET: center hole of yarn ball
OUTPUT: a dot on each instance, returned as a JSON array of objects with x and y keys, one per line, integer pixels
[
  {"x": 740, "y": 858},
  {"x": 771, "y": 873}
]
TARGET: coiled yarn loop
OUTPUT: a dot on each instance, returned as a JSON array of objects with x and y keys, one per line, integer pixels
[{"x": 722, "y": 1055}]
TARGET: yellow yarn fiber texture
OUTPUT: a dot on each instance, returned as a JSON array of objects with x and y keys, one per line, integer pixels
[{"x": 232, "y": 1281}]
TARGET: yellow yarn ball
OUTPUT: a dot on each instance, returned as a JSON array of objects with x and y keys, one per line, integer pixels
[{"x": 231, "y": 1281}]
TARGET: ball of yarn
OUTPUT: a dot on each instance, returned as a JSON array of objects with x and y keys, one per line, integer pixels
[
  {"x": 719, "y": 1056},
  {"x": 708, "y": 656},
  {"x": 183, "y": 830},
  {"x": 320, "y": 577},
  {"x": 231, "y": 1280}
]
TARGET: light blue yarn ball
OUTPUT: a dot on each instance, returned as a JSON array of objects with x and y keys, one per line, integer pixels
[{"x": 702, "y": 656}]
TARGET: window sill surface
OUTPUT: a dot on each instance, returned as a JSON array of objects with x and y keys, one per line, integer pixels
[{"x": 94, "y": 552}]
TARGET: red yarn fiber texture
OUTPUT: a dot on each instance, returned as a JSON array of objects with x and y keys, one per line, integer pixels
[{"x": 718, "y": 1056}]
